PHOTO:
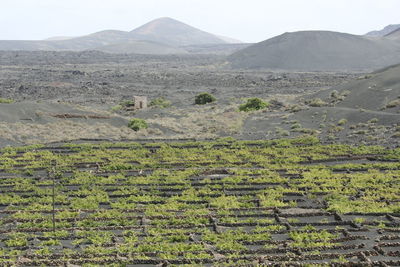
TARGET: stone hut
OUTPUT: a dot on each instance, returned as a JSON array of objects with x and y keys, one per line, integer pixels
[{"x": 139, "y": 102}]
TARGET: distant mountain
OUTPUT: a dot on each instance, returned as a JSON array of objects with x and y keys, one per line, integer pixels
[
  {"x": 174, "y": 33},
  {"x": 229, "y": 40},
  {"x": 87, "y": 42},
  {"x": 388, "y": 29},
  {"x": 318, "y": 51},
  {"x": 59, "y": 38},
  {"x": 160, "y": 36},
  {"x": 11, "y": 45}
]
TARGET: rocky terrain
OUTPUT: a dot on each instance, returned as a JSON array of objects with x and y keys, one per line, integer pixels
[
  {"x": 95, "y": 77},
  {"x": 72, "y": 95}
]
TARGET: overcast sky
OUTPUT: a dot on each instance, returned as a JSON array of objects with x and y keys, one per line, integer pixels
[{"x": 247, "y": 20}]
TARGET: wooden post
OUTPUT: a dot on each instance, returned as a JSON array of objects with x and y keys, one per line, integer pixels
[{"x": 54, "y": 163}]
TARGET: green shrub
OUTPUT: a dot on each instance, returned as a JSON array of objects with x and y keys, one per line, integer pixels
[
  {"x": 374, "y": 120},
  {"x": 335, "y": 94},
  {"x": 295, "y": 108},
  {"x": 127, "y": 103},
  {"x": 160, "y": 102},
  {"x": 116, "y": 108},
  {"x": 137, "y": 124},
  {"x": 253, "y": 104},
  {"x": 6, "y": 101},
  {"x": 316, "y": 102},
  {"x": 295, "y": 126},
  {"x": 393, "y": 103},
  {"x": 122, "y": 105},
  {"x": 204, "y": 98}
]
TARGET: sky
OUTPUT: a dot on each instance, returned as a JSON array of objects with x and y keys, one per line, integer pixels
[{"x": 246, "y": 20}]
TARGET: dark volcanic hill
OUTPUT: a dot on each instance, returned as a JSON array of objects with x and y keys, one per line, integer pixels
[
  {"x": 318, "y": 51},
  {"x": 388, "y": 29},
  {"x": 175, "y": 33}
]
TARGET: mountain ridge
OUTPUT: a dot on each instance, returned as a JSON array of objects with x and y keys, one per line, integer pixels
[
  {"x": 165, "y": 32},
  {"x": 386, "y": 30}
]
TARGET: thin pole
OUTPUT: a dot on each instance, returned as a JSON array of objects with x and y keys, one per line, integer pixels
[{"x": 54, "y": 202}]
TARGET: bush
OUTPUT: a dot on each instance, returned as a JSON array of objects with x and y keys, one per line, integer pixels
[
  {"x": 342, "y": 122},
  {"x": 393, "y": 103},
  {"x": 335, "y": 94},
  {"x": 253, "y": 104},
  {"x": 316, "y": 102},
  {"x": 374, "y": 120},
  {"x": 295, "y": 108},
  {"x": 127, "y": 103},
  {"x": 204, "y": 98},
  {"x": 6, "y": 101},
  {"x": 137, "y": 124},
  {"x": 116, "y": 108},
  {"x": 160, "y": 102},
  {"x": 122, "y": 105}
]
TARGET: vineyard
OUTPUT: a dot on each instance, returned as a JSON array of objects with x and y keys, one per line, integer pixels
[{"x": 223, "y": 202}]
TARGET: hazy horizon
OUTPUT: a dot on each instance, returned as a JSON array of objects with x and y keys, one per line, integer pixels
[{"x": 251, "y": 21}]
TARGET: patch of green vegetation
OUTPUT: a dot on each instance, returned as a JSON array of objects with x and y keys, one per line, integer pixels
[
  {"x": 393, "y": 103},
  {"x": 122, "y": 105},
  {"x": 116, "y": 108},
  {"x": 295, "y": 108},
  {"x": 126, "y": 103},
  {"x": 137, "y": 124},
  {"x": 281, "y": 132},
  {"x": 342, "y": 122},
  {"x": 359, "y": 220},
  {"x": 17, "y": 240},
  {"x": 160, "y": 102},
  {"x": 204, "y": 98},
  {"x": 6, "y": 101},
  {"x": 191, "y": 200},
  {"x": 374, "y": 120},
  {"x": 316, "y": 102},
  {"x": 309, "y": 237},
  {"x": 253, "y": 104}
]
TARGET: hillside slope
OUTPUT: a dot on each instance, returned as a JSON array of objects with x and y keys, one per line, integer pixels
[
  {"x": 318, "y": 51},
  {"x": 378, "y": 91},
  {"x": 395, "y": 35}
]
